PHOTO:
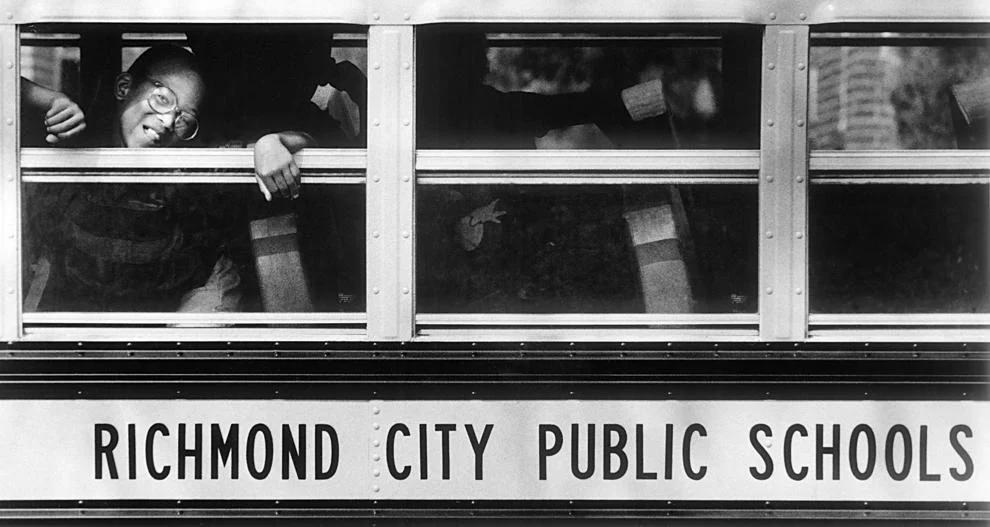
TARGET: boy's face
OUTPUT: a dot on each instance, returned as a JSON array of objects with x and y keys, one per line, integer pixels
[{"x": 140, "y": 125}]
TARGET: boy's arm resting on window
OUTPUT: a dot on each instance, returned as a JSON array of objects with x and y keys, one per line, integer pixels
[
  {"x": 64, "y": 118},
  {"x": 275, "y": 170}
]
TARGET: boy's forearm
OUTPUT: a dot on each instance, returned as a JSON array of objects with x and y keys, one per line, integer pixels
[
  {"x": 293, "y": 141},
  {"x": 36, "y": 95}
]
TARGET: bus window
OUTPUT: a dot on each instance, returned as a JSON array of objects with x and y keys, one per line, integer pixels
[
  {"x": 114, "y": 222},
  {"x": 499, "y": 90},
  {"x": 898, "y": 91},
  {"x": 586, "y": 248},
  {"x": 899, "y": 249}
]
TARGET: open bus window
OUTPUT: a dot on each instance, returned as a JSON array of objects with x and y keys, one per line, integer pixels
[
  {"x": 191, "y": 248},
  {"x": 899, "y": 91},
  {"x": 651, "y": 89},
  {"x": 99, "y": 236},
  {"x": 586, "y": 249},
  {"x": 256, "y": 80},
  {"x": 899, "y": 249}
]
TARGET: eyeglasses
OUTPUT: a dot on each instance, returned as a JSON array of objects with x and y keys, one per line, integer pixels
[{"x": 164, "y": 101}]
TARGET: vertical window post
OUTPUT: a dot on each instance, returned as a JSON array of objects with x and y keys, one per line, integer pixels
[
  {"x": 10, "y": 192},
  {"x": 391, "y": 182},
  {"x": 784, "y": 184}
]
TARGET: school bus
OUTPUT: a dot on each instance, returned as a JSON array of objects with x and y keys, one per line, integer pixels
[{"x": 559, "y": 261}]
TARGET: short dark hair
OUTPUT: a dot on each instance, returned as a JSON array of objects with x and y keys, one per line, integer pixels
[{"x": 164, "y": 54}]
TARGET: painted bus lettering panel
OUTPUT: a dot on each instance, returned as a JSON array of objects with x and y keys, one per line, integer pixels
[{"x": 511, "y": 450}]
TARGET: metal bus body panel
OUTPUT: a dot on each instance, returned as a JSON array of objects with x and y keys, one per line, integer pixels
[
  {"x": 391, "y": 379},
  {"x": 374, "y": 12}
]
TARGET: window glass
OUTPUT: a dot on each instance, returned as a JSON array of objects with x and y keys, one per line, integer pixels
[
  {"x": 586, "y": 248},
  {"x": 587, "y": 89},
  {"x": 899, "y": 249},
  {"x": 922, "y": 91},
  {"x": 194, "y": 248}
]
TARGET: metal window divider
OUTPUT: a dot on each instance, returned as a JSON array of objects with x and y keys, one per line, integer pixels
[
  {"x": 783, "y": 187},
  {"x": 10, "y": 192},
  {"x": 391, "y": 181}
]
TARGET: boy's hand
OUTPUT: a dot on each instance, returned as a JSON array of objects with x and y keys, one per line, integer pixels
[
  {"x": 64, "y": 120},
  {"x": 274, "y": 168},
  {"x": 348, "y": 78}
]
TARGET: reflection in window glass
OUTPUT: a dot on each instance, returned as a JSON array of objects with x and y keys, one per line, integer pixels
[
  {"x": 586, "y": 89},
  {"x": 899, "y": 249},
  {"x": 899, "y": 97},
  {"x": 592, "y": 249},
  {"x": 196, "y": 248},
  {"x": 251, "y": 81}
]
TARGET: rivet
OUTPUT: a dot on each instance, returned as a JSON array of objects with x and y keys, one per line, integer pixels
[
  {"x": 406, "y": 16},
  {"x": 406, "y": 65},
  {"x": 799, "y": 179},
  {"x": 376, "y": 443},
  {"x": 377, "y": 66},
  {"x": 769, "y": 290},
  {"x": 10, "y": 65},
  {"x": 377, "y": 122},
  {"x": 769, "y": 122},
  {"x": 375, "y": 234},
  {"x": 10, "y": 121},
  {"x": 801, "y": 66},
  {"x": 10, "y": 15},
  {"x": 375, "y": 290},
  {"x": 405, "y": 122},
  {"x": 771, "y": 66},
  {"x": 405, "y": 178},
  {"x": 798, "y": 291},
  {"x": 769, "y": 234},
  {"x": 405, "y": 290},
  {"x": 376, "y": 457},
  {"x": 799, "y": 235},
  {"x": 376, "y": 16},
  {"x": 376, "y": 488},
  {"x": 800, "y": 123},
  {"x": 376, "y": 179},
  {"x": 405, "y": 234},
  {"x": 769, "y": 178},
  {"x": 10, "y": 291},
  {"x": 376, "y": 473},
  {"x": 10, "y": 178},
  {"x": 376, "y": 410},
  {"x": 803, "y": 16},
  {"x": 376, "y": 426},
  {"x": 773, "y": 16}
]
